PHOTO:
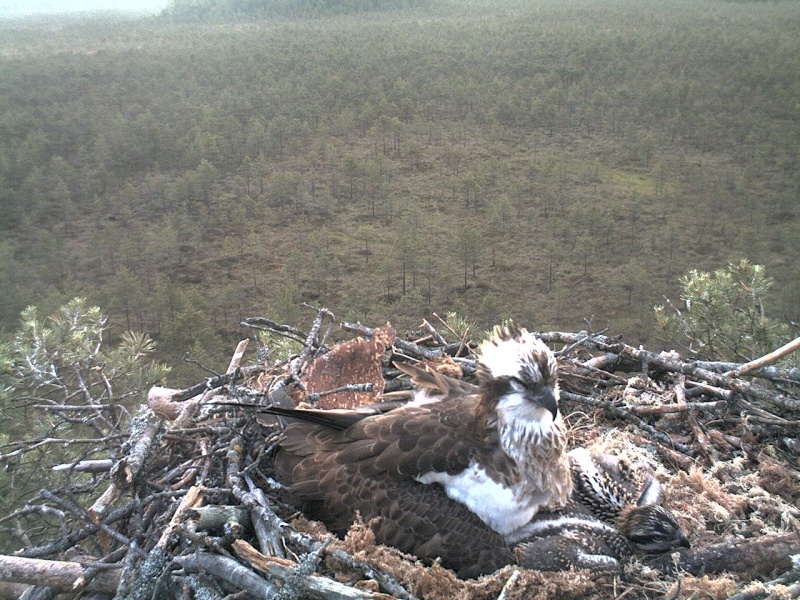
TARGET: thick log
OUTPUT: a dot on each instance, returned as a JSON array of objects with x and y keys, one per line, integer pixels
[
  {"x": 56, "y": 574},
  {"x": 752, "y": 557},
  {"x": 229, "y": 570},
  {"x": 127, "y": 468}
]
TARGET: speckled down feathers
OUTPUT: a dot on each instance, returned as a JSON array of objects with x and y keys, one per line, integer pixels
[{"x": 614, "y": 511}]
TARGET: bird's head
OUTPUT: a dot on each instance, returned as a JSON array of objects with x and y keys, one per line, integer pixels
[
  {"x": 517, "y": 367},
  {"x": 651, "y": 528}
]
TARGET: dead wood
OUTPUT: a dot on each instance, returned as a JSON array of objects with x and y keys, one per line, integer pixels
[
  {"x": 12, "y": 591},
  {"x": 189, "y": 506},
  {"x": 314, "y": 586},
  {"x": 143, "y": 431},
  {"x": 673, "y": 363},
  {"x": 752, "y": 557},
  {"x": 87, "y": 466},
  {"x": 56, "y": 574},
  {"x": 765, "y": 360}
]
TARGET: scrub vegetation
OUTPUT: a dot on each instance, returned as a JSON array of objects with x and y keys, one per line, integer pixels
[{"x": 534, "y": 160}]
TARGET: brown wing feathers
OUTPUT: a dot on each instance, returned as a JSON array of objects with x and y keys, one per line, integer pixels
[
  {"x": 337, "y": 474},
  {"x": 436, "y": 384},
  {"x": 337, "y": 466},
  {"x": 405, "y": 442},
  {"x": 339, "y": 463},
  {"x": 422, "y": 520}
]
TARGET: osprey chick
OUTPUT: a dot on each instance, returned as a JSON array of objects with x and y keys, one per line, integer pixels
[
  {"x": 615, "y": 510},
  {"x": 498, "y": 450}
]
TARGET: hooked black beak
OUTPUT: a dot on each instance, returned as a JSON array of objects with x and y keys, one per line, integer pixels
[{"x": 546, "y": 399}]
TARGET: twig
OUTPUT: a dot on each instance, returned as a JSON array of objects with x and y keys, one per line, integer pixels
[
  {"x": 272, "y": 525},
  {"x": 790, "y": 376},
  {"x": 509, "y": 584},
  {"x": 661, "y": 409},
  {"x": 264, "y": 324},
  {"x": 72, "y": 539},
  {"x": 312, "y": 585},
  {"x": 228, "y": 570},
  {"x": 695, "y": 388},
  {"x": 699, "y": 435},
  {"x": 462, "y": 338},
  {"x": 87, "y": 466},
  {"x": 436, "y": 335},
  {"x": 144, "y": 427},
  {"x": 668, "y": 363},
  {"x": 152, "y": 574},
  {"x": 24, "y": 447},
  {"x": 387, "y": 583},
  {"x": 583, "y": 337},
  {"x": 631, "y": 418},
  {"x": 312, "y": 340},
  {"x": 209, "y": 384},
  {"x": 413, "y": 350},
  {"x": 351, "y": 387},
  {"x": 192, "y": 499},
  {"x": 84, "y": 515},
  {"x": 767, "y": 359},
  {"x": 236, "y": 359}
]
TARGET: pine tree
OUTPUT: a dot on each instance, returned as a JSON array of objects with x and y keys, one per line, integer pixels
[{"x": 723, "y": 317}]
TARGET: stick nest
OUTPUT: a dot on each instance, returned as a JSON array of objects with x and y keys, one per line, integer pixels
[{"x": 188, "y": 509}]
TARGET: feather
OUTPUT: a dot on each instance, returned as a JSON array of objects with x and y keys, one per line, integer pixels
[{"x": 446, "y": 475}]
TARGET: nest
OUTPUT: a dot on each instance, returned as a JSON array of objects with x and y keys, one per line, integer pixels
[{"x": 189, "y": 508}]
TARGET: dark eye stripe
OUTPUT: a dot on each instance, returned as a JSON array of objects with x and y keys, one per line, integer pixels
[{"x": 500, "y": 386}]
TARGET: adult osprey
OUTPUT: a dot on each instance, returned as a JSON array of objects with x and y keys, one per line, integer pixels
[{"x": 498, "y": 450}]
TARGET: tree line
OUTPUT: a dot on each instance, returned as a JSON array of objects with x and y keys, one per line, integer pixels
[{"x": 512, "y": 159}]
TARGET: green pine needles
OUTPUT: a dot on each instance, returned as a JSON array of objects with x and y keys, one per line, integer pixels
[{"x": 723, "y": 317}]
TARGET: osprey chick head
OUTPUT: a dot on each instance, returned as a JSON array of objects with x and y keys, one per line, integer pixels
[
  {"x": 515, "y": 362},
  {"x": 651, "y": 528}
]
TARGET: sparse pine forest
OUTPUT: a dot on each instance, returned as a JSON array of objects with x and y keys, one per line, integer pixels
[{"x": 538, "y": 160}]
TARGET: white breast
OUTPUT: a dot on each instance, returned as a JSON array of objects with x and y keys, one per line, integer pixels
[{"x": 494, "y": 503}]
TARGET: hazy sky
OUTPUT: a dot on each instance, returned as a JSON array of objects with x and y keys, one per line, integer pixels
[{"x": 29, "y": 7}]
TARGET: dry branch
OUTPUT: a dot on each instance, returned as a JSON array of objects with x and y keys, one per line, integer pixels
[
  {"x": 56, "y": 574},
  {"x": 626, "y": 415},
  {"x": 674, "y": 364},
  {"x": 768, "y": 359},
  {"x": 228, "y": 570},
  {"x": 314, "y": 586},
  {"x": 754, "y": 557},
  {"x": 144, "y": 431}
]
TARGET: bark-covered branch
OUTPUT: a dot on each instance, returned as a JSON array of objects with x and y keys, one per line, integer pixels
[
  {"x": 56, "y": 574},
  {"x": 753, "y": 557}
]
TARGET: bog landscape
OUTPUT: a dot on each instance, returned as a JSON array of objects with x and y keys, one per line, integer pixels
[{"x": 172, "y": 184}]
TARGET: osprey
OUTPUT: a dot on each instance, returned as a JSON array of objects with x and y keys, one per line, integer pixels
[
  {"x": 615, "y": 509},
  {"x": 498, "y": 450}
]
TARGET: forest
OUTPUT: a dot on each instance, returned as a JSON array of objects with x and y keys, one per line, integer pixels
[
  {"x": 559, "y": 164},
  {"x": 283, "y": 177}
]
